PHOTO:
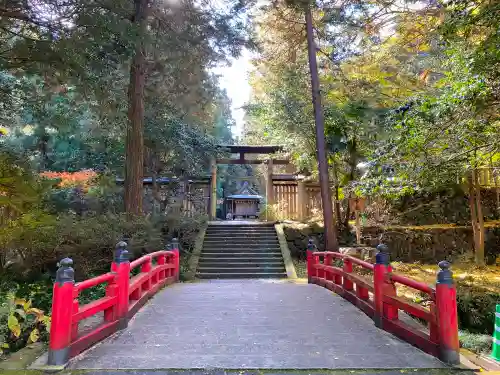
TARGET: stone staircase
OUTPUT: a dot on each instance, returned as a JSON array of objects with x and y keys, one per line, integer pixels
[{"x": 232, "y": 250}]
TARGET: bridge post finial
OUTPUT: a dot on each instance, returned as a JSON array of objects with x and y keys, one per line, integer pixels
[
  {"x": 382, "y": 256},
  {"x": 65, "y": 273},
  {"x": 121, "y": 252},
  {"x": 444, "y": 275},
  {"x": 311, "y": 246},
  {"x": 447, "y": 316},
  {"x": 175, "y": 243}
]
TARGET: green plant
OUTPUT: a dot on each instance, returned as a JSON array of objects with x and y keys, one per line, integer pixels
[
  {"x": 21, "y": 324},
  {"x": 92, "y": 294},
  {"x": 275, "y": 212},
  {"x": 478, "y": 343},
  {"x": 39, "y": 291},
  {"x": 89, "y": 240},
  {"x": 476, "y": 308}
]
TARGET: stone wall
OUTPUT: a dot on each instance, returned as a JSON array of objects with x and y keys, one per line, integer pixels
[
  {"x": 407, "y": 244},
  {"x": 445, "y": 207},
  {"x": 297, "y": 236}
]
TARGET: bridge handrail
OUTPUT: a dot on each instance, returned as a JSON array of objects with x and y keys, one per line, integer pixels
[
  {"x": 418, "y": 285},
  {"x": 123, "y": 297},
  {"x": 89, "y": 283},
  {"x": 377, "y": 297}
]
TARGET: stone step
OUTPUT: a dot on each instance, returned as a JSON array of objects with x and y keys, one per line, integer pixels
[
  {"x": 237, "y": 275},
  {"x": 241, "y": 234},
  {"x": 236, "y": 224},
  {"x": 249, "y": 258},
  {"x": 241, "y": 254},
  {"x": 242, "y": 241},
  {"x": 233, "y": 263},
  {"x": 250, "y": 235},
  {"x": 240, "y": 269},
  {"x": 235, "y": 249},
  {"x": 242, "y": 230}
]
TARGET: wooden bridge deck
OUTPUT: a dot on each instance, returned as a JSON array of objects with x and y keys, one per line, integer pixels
[{"x": 252, "y": 325}]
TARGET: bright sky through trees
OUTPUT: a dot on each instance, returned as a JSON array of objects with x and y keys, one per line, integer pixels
[{"x": 234, "y": 79}]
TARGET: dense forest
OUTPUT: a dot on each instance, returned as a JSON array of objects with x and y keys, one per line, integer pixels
[
  {"x": 98, "y": 90},
  {"x": 409, "y": 93},
  {"x": 92, "y": 92}
]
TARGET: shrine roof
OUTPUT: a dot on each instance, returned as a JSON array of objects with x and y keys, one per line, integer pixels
[
  {"x": 245, "y": 192},
  {"x": 244, "y": 196}
]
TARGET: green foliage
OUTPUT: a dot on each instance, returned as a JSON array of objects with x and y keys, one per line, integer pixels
[
  {"x": 476, "y": 308},
  {"x": 64, "y": 77},
  {"x": 90, "y": 241},
  {"x": 39, "y": 291},
  {"x": 274, "y": 212},
  {"x": 475, "y": 342},
  {"x": 21, "y": 324},
  {"x": 20, "y": 189}
]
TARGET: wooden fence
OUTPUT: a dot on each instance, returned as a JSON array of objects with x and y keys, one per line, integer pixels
[
  {"x": 489, "y": 177},
  {"x": 287, "y": 201}
]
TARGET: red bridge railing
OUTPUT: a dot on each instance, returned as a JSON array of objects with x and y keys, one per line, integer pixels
[
  {"x": 373, "y": 289},
  {"x": 125, "y": 294}
]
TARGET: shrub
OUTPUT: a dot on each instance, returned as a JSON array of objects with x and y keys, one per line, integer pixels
[
  {"x": 21, "y": 324},
  {"x": 184, "y": 228},
  {"x": 476, "y": 308},
  {"x": 43, "y": 240},
  {"x": 71, "y": 179},
  {"x": 98, "y": 195},
  {"x": 40, "y": 292},
  {"x": 475, "y": 342}
]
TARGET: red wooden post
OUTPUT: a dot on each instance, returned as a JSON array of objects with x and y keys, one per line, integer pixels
[
  {"x": 121, "y": 266},
  {"x": 390, "y": 311},
  {"x": 328, "y": 262},
  {"x": 348, "y": 284},
  {"x": 146, "y": 268},
  {"x": 320, "y": 272},
  {"x": 379, "y": 279},
  {"x": 161, "y": 262},
  {"x": 433, "y": 327},
  {"x": 338, "y": 279},
  {"x": 447, "y": 318},
  {"x": 62, "y": 301},
  {"x": 311, "y": 248},
  {"x": 111, "y": 313},
  {"x": 74, "y": 325},
  {"x": 362, "y": 292},
  {"x": 177, "y": 259}
]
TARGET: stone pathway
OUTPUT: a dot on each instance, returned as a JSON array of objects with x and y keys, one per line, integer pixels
[{"x": 252, "y": 325}]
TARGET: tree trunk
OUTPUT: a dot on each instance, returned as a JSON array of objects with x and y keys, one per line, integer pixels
[
  {"x": 326, "y": 195},
  {"x": 472, "y": 207},
  {"x": 358, "y": 226},
  {"x": 353, "y": 161},
  {"x": 134, "y": 144},
  {"x": 495, "y": 178},
  {"x": 480, "y": 222},
  {"x": 476, "y": 212},
  {"x": 337, "y": 202}
]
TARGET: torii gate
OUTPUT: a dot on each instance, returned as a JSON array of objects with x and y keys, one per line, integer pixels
[{"x": 242, "y": 150}]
